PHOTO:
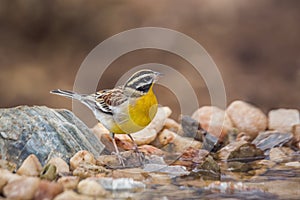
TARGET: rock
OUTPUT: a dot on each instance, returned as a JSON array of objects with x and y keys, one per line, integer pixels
[
  {"x": 4, "y": 164},
  {"x": 283, "y": 120},
  {"x": 86, "y": 169},
  {"x": 208, "y": 169},
  {"x": 69, "y": 182},
  {"x": 24, "y": 188},
  {"x": 91, "y": 188},
  {"x": 191, "y": 157},
  {"x": 150, "y": 150},
  {"x": 3, "y": 181},
  {"x": 269, "y": 139},
  {"x": 47, "y": 190},
  {"x": 211, "y": 143},
  {"x": 172, "y": 142},
  {"x": 49, "y": 172},
  {"x": 280, "y": 154},
  {"x": 69, "y": 194},
  {"x": 131, "y": 159},
  {"x": 136, "y": 174},
  {"x": 214, "y": 120},
  {"x": 30, "y": 167},
  {"x": 190, "y": 128},
  {"x": 172, "y": 125},
  {"x": 242, "y": 136},
  {"x": 61, "y": 166},
  {"x": 293, "y": 164},
  {"x": 239, "y": 166},
  {"x": 172, "y": 171},
  {"x": 296, "y": 133},
  {"x": 247, "y": 118},
  {"x": 200, "y": 162},
  {"x": 99, "y": 130},
  {"x": 7, "y": 176},
  {"x": 44, "y": 132},
  {"x": 120, "y": 184},
  {"x": 240, "y": 151},
  {"x": 148, "y": 134},
  {"x": 159, "y": 179},
  {"x": 81, "y": 157}
]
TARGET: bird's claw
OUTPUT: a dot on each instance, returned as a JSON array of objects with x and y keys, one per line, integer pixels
[{"x": 120, "y": 158}]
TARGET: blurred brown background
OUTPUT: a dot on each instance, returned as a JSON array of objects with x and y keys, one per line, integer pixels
[{"x": 255, "y": 45}]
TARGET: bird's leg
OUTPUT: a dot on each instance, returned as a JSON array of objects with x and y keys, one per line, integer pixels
[
  {"x": 136, "y": 150},
  {"x": 121, "y": 159}
]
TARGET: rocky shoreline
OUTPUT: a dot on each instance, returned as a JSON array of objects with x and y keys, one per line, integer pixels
[{"x": 51, "y": 154}]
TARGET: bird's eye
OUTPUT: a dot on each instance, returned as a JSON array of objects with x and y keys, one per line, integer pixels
[{"x": 144, "y": 88}]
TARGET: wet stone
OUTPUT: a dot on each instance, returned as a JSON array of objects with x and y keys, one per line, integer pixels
[
  {"x": 85, "y": 170},
  {"x": 44, "y": 132},
  {"x": 120, "y": 184},
  {"x": 240, "y": 151},
  {"x": 137, "y": 174},
  {"x": 280, "y": 154},
  {"x": 173, "y": 171},
  {"x": 239, "y": 166},
  {"x": 270, "y": 139},
  {"x": 131, "y": 159}
]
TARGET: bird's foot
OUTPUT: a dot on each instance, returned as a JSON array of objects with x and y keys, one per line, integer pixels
[
  {"x": 120, "y": 158},
  {"x": 139, "y": 154}
]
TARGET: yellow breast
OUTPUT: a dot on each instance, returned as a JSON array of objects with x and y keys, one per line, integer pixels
[{"x": 140, "y": 113}]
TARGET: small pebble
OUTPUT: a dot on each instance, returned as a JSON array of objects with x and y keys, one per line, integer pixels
[
  {"x": 31, "y": 166},
  {"x": 280, "y": 154},
  {"x": 137, "y": 174},
  {"x": 296, "y": 133},
  {"x": 283, "y": 120},
  {"x": 80, "y": 157},
  {"x": 49, "y": 172},
  {"x": 71, "y": 195},
  {"x": 247, "y": 118},
  {"x": 172, "y": 125},
  {"x": 24, "y": 188},
  {"x": 214, "y": 120},
  {"x": 175, "y": 142},
  {"x": 48, "y": 190},
  {"x": 91, "y": 188},
  {"x": 69, "y": 182},
  {"x": 61, "y": 165},
  {"x": 293, "y": 164}
]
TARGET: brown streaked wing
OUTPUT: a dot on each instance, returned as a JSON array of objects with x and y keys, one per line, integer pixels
[{"x": 111, "y": 98}]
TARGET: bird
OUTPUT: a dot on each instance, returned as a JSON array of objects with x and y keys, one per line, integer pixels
[{"x": 124, "y": 109}]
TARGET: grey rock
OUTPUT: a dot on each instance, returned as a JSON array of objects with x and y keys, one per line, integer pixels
[
  {"x": 269, "y": 139},
  {"x": 44, "y": 132}
]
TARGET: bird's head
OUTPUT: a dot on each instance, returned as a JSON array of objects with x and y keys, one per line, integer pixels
[{"x": 140, "y": 82}]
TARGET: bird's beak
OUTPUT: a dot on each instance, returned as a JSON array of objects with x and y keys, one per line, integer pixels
[{"x": 157, "y": 76}]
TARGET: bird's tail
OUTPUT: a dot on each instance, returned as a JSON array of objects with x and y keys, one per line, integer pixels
[
  {"x": 87, "y": 100},
  {"x": 67, "y": 93}
]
